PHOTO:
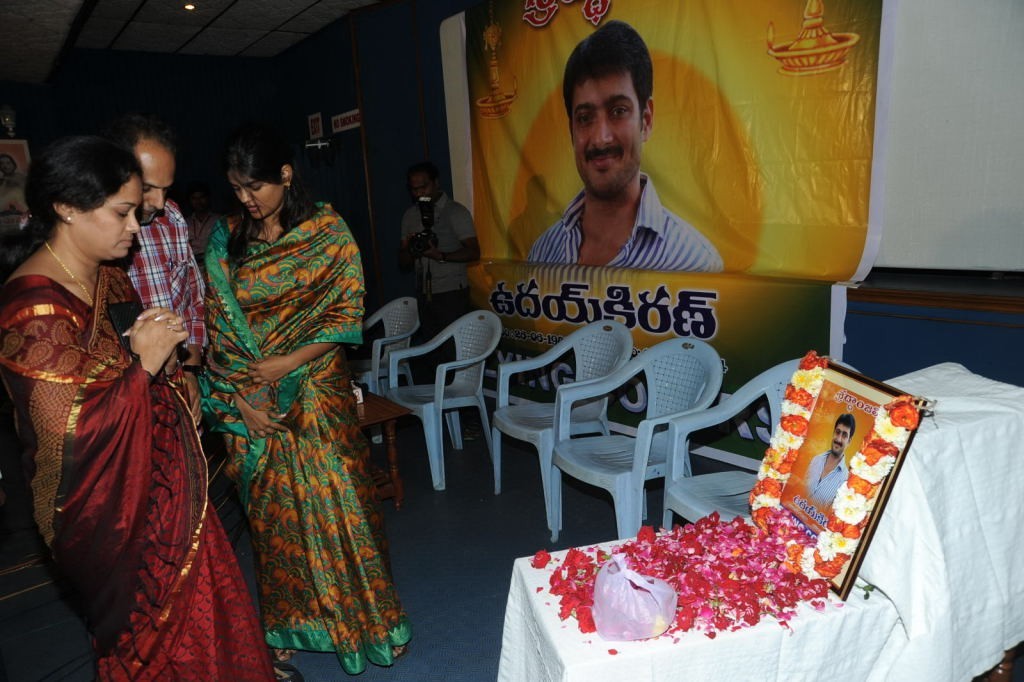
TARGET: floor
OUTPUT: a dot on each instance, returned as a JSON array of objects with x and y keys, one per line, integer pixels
[{"x": 452, "y": 556}]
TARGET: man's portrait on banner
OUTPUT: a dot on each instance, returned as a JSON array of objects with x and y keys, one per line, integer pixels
[
  {"x": 617, "y": 218},
  {"x": 746, "y": 170}
]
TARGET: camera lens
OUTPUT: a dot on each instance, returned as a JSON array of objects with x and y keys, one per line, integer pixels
[{"x": 426, "y": 205}]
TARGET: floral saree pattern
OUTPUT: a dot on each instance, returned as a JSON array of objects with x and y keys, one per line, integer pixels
[
  {"x": 118, "y": 484},
  {"x": 323, "y": 570}
]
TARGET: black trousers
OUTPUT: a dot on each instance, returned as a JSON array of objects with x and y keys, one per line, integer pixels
[{"x": 440, "y": 311}]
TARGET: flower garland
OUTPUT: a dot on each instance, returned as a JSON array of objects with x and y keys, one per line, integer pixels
[
  {"x": 856, "y": 497},
  {"x": 728, "y": 575}
]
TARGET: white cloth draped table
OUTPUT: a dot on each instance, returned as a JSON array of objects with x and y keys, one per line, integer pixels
[{"x": 946, "y": 603}]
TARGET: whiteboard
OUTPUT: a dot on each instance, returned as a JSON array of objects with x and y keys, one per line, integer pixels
[{"x": 953, "y": 193}]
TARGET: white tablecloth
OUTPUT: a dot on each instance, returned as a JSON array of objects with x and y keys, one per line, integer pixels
[
  {"x": 942, "y": 560},
  {"x": 949, "y": 548},
  {"x": 855, "y": 641}
]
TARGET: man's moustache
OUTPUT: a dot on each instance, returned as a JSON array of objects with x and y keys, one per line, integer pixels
[
  {"x": 592, "y": 154},
  {"x": 145, "y": 218}
]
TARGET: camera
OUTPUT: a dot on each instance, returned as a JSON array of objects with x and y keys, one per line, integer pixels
[{"x": 425, "y": 239}]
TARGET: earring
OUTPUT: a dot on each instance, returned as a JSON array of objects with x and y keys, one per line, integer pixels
[{"x": 67, "y": 219}]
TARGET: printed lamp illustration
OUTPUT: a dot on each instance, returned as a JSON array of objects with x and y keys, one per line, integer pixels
[
  {"x": 498, "y": 103},
  {"x": 816, "y": 49}
]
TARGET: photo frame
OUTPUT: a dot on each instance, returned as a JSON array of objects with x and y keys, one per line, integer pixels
[
  {"x": 832, "y": 462},
  {"x": 13, "y": 171},
  {"x": 14, "y": 160}
]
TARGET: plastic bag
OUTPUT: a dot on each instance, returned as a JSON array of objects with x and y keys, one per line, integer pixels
[{"x": 628, "y": 605}]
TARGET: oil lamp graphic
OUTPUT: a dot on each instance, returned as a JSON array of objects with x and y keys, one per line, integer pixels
[
  {"x": 816, "y": 49},
  {"x": 498, "y": 103}
]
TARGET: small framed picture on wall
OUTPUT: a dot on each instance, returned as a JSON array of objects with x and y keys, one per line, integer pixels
[{"x": 14, "y": 160}]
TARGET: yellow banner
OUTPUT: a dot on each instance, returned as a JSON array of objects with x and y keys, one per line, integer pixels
[
  {"x": 753, "y": 322},
  {"x": 761, "y": 133}
]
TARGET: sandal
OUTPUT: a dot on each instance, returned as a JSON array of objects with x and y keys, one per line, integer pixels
[
  {"x": 282, "y": 655},
  {"x": 286, "y": 672}
]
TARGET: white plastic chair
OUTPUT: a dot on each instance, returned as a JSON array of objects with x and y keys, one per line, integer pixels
[
  {"x": 400, "y": 319},
  {"x": 681, "y": 377},
  {"x": 598, "y": 348},
  {"x": 476, "y": 335},
  {"x": 727, "y": 492}
]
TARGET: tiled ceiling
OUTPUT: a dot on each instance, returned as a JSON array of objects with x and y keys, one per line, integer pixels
[{"x": 33, "y": 33}]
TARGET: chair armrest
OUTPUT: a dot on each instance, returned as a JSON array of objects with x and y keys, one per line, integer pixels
[
  {"x": 568, "y": 394},
  {"x": 376, "y": 318},
  {"x": 645, "y": 431},
  {"x": 642, "y": 447},
  {"x": 683, "y": 424},
  {"x": 396, "y": 356},
  {"x": 441, "y": 373},
  {"x": 688, "y": 421},
  {"x": 508, "y": 369},
  {"x": 386, "y": 340},
  {"x": 377, "y": 350}
]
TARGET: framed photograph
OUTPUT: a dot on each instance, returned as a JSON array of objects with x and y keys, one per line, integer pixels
[
  {"x": 833, "y": 461},
  {"x": 14, "y": 161}
]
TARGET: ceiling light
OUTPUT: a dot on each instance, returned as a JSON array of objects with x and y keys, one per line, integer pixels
[{"x": 189, "y": 6}]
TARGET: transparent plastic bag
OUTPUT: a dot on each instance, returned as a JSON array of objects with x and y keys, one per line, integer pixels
[{"x": 628, "y": 605}]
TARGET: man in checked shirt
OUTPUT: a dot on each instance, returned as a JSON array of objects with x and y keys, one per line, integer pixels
[{"x": 161, "y": 264}]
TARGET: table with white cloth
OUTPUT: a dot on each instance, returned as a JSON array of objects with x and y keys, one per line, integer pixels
[{"x": 946, "y": 602}]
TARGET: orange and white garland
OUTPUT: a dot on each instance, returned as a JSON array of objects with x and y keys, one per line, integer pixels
[{"x": 856, "y": 497}]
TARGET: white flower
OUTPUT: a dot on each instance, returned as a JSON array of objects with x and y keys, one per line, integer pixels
[
  {"x": 871, "y": 474},
  {"x": 807, "y": 564},
  {"x": 783, "y": 440},
  {"x": 850, "y": 506},
  {"x": 763, "y": 500},
  {"x": 831, "y": 543},
  {"x": 886, "y": 430},
  {"x": 810, "y": 380},
  {"x": 791, "y": 408},
  {"x": 768, "y": 471}
]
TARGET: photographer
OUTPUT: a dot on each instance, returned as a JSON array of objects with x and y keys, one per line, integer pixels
[{"x": 439, "y": 238}]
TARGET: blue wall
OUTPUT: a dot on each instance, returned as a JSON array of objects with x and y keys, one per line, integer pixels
[{"x": 884, "y": 340}]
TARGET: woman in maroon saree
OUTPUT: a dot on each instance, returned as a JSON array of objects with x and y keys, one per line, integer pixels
[{"x": 117, "y": 474}]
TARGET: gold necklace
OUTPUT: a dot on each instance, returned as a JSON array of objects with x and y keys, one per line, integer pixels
[{"x": 74, "y": 279}]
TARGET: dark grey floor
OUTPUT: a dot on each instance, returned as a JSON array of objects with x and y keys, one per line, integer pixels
[{"x": 452, "y": 556}]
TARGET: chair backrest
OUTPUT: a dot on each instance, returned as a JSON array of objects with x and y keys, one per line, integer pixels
[
  {"x": 399, "y": 317},
  {"x": 771, "y": 384},
  {"x": 476, "y": 334},
  {"x": 681, "y": 374},
  {"x": 600, "y": 348}
]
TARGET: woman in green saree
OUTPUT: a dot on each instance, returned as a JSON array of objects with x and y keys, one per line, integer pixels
[{"x": 285, "y": 291}]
